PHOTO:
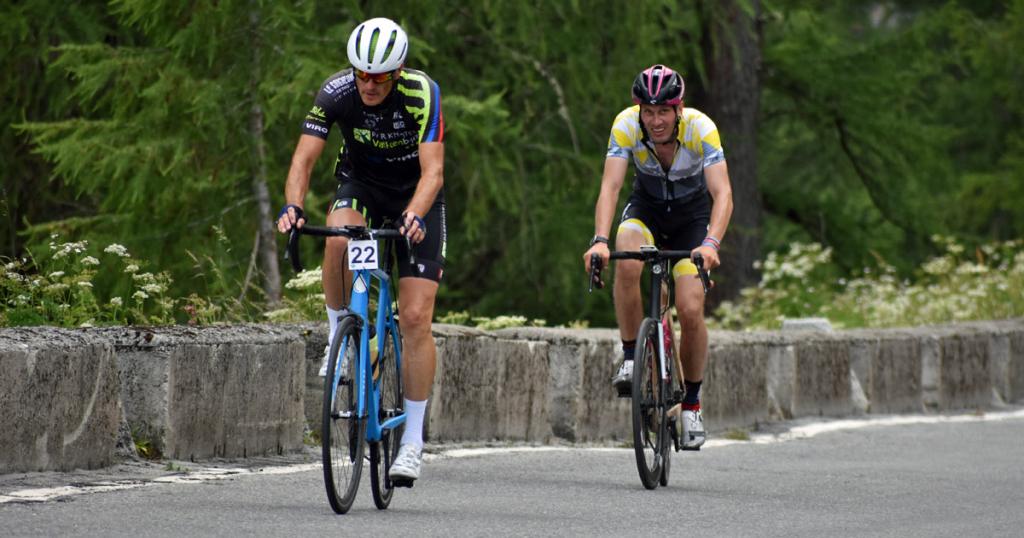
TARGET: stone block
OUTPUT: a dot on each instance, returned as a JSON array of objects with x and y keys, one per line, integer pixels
[
  {"x": 965, "y": 378},
  {"x": 59, "y": 396},
  {"x": 1015, "y": 370},
  {"x": 735, "y": 389},
  {"x": 213, "y": 392},
  {"x": 895, "y": 384},
  {"x": 781, "y": 380},
  {"x": 999, "y": 358},
  {"x": 807, "y": 324},
  {"x": 822, "y": 381},
  {"x": 600, "y": 413}
]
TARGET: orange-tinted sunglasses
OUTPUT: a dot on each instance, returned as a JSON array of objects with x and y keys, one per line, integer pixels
[{"x": 379, "y": 78}]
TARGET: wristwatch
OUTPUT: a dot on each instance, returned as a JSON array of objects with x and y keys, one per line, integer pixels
[{"x": 598, "y": 239}]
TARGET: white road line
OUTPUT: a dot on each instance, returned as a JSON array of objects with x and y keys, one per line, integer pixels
[{"x": 213, "y": 473}]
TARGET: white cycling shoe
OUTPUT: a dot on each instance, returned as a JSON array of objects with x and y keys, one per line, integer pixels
[
  {"x": 407, "y": 465},
  {"x": 623, "y": 380},
  {"x": 693, "y": 430}
]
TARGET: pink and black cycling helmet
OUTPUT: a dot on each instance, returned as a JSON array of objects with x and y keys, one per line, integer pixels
[{"x": 658, "y": 85}]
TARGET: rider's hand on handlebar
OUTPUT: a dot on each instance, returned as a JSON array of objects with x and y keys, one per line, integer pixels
[
  {"x": 710, "y": 257},
  {"x": 601, "y": 249},
  {"x": 413, "y": 227},
  {"x": 290, "y": 215}
]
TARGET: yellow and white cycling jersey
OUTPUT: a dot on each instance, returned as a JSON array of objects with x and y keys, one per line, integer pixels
[{"x": 699, "y": 146}]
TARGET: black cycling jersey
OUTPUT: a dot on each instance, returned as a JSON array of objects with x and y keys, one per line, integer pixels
[{"x": 381, "y": 143}]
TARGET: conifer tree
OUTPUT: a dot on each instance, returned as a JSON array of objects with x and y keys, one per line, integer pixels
[{"x": 174, "y": 137}]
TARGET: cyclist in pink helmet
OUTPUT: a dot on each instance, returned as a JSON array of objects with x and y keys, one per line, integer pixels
[{"x": 681, "y": 200}]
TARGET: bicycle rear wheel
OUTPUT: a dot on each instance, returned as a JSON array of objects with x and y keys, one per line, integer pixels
[
  {"x": 383, "y": 453},
  {"x": 344, "y": 433},
  {"x": 649, "y": 429}
]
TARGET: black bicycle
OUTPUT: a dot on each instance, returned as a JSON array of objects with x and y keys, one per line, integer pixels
[{"x": 654, "y": 375}]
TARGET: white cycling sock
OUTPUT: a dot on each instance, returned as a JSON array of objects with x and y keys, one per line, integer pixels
[
  {"x": 332, "y": 318},
  {"x": 414, "y": 412}
]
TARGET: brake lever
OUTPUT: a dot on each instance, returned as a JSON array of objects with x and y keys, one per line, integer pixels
[
  {"x": 595, "y": 272},
  {"x": 705, "y": 280},
  {"x": 292, "y": 252},
  {"x": 412, "y": 257}
]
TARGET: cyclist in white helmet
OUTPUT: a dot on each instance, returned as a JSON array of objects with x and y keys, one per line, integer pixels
[
  {"x": 680, "y": 170},
  {"x": 390, "y": 166}
]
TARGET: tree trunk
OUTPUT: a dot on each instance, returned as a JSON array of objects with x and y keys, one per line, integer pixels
[
  {"x": 733, "y": 62},
  {"x": 266, "y": 244}
]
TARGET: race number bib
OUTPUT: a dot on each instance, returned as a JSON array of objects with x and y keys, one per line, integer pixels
[{"x": 362, "y": 255}]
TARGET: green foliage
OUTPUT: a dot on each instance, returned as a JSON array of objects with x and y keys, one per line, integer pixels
[
  {"x": 885, "y": 124},
  {"x": 28, "y": 29},
  {"x": 882, "y": 124},
  {"x": 163, "y": 141}
]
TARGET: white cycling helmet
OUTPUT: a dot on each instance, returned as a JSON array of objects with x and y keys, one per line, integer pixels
[{"x": 377, "y": 46}]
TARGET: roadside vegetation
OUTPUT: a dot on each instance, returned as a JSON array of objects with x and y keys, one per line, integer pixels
[{"x": 81, "y": 284}]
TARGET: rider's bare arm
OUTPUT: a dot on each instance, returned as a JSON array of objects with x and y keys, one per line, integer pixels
[
  {"x": 717, "y": 177},
  {"x": 431, "y": 177},
  {"x": 306, "y": 153},
  {"x": 611, "y": 183},
  {"x": 431, "y": 155}
]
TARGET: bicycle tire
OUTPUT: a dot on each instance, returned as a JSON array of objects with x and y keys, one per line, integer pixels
[
  {"x": 344, "y": 434},
  {"x": 384, "y": 452},
  {"x": 648, "y": 409}
]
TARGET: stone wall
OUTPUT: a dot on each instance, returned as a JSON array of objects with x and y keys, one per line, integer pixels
[{"x": 79, "y": 398}]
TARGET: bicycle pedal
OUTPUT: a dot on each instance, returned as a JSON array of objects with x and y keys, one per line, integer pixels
[
  {"x": 691, "y": 449},
  {"x": 402, "y": 482}
]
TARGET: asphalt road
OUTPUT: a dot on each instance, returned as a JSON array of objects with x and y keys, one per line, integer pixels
[{"x": 905, "y": 476}]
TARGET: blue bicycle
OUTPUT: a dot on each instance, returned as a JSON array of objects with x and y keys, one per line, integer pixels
[{"x": 363, "y": 386}]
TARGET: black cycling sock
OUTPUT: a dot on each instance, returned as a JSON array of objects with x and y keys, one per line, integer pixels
[
  {"x": 692, "y": 396},
  {"x": 628, "y": 347}
]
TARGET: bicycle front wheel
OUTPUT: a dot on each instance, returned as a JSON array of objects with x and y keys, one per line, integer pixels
[
  {"x": 383, "y": 454},
  {"x": 649, "y": 419},
  {"x": 344, "y": 432}
]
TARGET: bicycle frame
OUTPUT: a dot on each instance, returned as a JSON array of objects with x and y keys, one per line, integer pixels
[
  {"x": 368, "y": 388},
  {"x": 368, "y": 392},
  {"x": 660, "y": 272},
  {"x": 659, "y": 269}
]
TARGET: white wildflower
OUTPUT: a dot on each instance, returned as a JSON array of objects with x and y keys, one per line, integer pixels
[
  {"x": 89, "y": 260},
  {"x": 117, "y": 250},
  {"x": 145, "y": 277},
  {"x": 56, "y": 274},
  {"x": 153, "y": 288},
  {"x": 116, "y": 301},
  {"x": 131, "y": 268},
  {"x": 140, "y": 295},
  {"x": 305, "y": 280},
  {"x": 85, "y": 284}
]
